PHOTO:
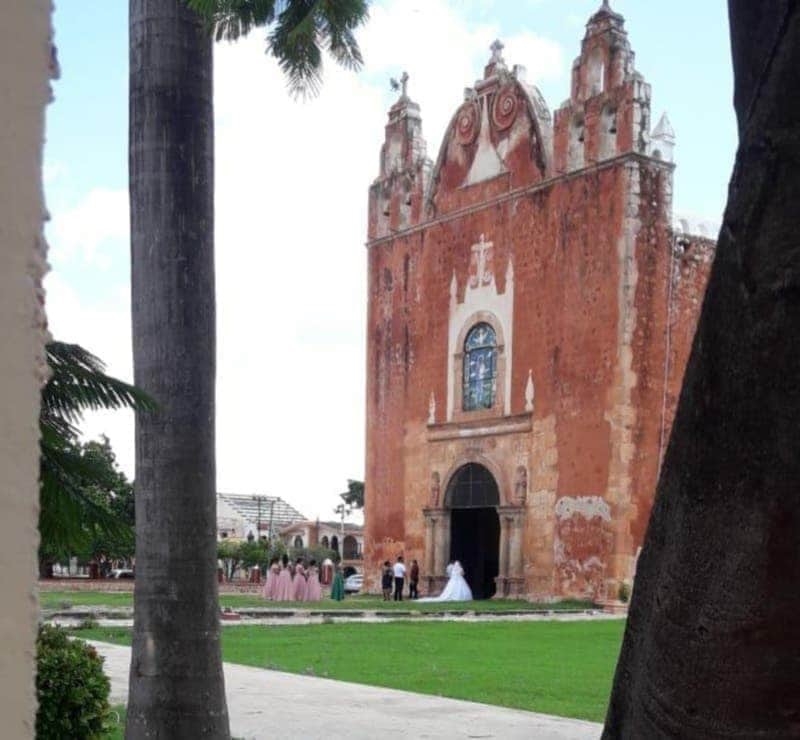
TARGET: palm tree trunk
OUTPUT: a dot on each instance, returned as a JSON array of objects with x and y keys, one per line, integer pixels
[
  {"x": 176, "y": 682},
  {"x": 712, "y": 645}
]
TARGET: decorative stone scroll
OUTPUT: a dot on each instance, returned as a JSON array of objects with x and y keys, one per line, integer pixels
[
  {"x": 468, "y": 123},
  {"x": 505, "y": 107}
]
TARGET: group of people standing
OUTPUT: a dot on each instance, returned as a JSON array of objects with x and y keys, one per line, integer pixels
[
  {"x": 296, "y": 582},
  {"x": 395, "y": 575}
]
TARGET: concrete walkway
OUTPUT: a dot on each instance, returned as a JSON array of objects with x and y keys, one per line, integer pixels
[
  {"x": 325, "y": 709},
  {"x": 118, "y": 618}
]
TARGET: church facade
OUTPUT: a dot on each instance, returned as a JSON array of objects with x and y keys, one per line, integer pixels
[{"x": 531, "y": 310}]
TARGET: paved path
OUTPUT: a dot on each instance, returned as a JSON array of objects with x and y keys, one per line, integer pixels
[
  {"x": 119, "y": 618},
  {"x": 336, "y": 709}
]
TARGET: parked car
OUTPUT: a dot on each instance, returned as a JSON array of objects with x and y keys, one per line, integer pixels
[
  {"x": 121, "y": 573},
  {"x": 353, "y": 583}
]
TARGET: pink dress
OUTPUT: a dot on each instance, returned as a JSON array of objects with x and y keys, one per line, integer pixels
[
  {"x": 299, "y": 584},
  {"x": 313, "y": 589},
  {"x": 283, "y": 586},
  {"x": 271, "y": 582}
]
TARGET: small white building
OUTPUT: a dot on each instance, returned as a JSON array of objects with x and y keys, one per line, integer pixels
[{"x": 240, "y": 515}]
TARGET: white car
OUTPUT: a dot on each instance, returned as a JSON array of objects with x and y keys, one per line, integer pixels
[
  {"x": 353, "y": 583},
  {"x": 121, "y": 573}
]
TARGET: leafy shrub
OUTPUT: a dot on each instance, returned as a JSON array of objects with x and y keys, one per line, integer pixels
[{"x": 71, "y": 688}]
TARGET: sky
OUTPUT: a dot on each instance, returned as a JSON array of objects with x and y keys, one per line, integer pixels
[{"x": 291, "y": 202}]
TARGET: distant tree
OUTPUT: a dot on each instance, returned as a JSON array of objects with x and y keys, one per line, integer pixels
[
  {"x": 354, "y": 495},
  {"x": 114, "y": 492},
  {"x": 72, "y": 509},
  {"x": 230, "y": 554}
]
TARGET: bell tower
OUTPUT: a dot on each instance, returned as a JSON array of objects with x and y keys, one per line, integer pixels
[
  {"x": 395, "y": 197},
  {"x": 608, "y": 111}
]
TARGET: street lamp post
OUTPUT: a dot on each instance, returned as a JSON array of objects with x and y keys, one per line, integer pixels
[
  {"x": 271, "y": 509},
  {"x": 258, "y": 499},
  {"x": 343, "y": 510}
]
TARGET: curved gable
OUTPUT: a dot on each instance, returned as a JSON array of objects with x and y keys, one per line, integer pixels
[{"x": 502, "y": 131}]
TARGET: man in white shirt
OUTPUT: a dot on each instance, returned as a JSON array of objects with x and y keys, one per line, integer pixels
[{"x": 399, "y": 578}]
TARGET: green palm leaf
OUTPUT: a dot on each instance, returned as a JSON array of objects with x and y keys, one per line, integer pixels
[
  {"x": 78, "y": 383},
  {"x": 298, "y": 32},
  {"x": 68, "y": 517}
]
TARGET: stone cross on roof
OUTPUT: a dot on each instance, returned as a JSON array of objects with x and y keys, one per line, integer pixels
[
  {"x": 497, "y": 51},
  {"x": 401, "y": 85}
]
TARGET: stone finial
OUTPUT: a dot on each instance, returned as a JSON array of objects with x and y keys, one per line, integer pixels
[
  {"x": 432, "y": 409},
  {"x": 662, "y": 140},
  {"x": 663, "y": 129},
  {"x": 529, "y": 392},
  {"x": 606, "y": 12}
]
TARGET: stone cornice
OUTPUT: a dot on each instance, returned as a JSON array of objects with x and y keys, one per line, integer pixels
[
  {"x": 525, "y": 190},
  {"x": 520, "y": 423}
]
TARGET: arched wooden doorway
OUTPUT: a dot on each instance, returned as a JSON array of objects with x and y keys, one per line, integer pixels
[
  {"x": 473, "y": 497},
  {"x": 349, "y": 547}
]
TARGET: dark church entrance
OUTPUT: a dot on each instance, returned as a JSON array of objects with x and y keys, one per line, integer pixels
[{"x": 472, "y": 497}]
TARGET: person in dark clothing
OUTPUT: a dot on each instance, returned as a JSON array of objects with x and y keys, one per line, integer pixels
[
  {"x": 387, "y": 576},
  {"x": 413, "y": 580}
]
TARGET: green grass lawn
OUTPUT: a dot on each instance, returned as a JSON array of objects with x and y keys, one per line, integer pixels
[
  {"x": 561, "y": 668},
  {"x": 111, "y": 599},
  {"x": 117, "y": 729}
]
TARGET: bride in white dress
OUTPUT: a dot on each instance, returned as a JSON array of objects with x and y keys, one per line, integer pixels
[{"x": 457, "y": 588}]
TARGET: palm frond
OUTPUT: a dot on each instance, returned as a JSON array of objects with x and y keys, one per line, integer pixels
[
  {"x": 78, "y": 382},
  {"x": 300, "y": 29},
  {"x": 293, "y": 42},
  {"x": 69, "y": 518},
  {"x": 230, "y": 19}
]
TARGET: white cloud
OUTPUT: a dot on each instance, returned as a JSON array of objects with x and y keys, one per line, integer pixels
[
  {"x": 53, "y": 171},
  {"x": 542, "y": 57},
  {"x": 105, "y": 331},
  {"x": 86, "y": 231},
  {"x": 291, "y": 219}
]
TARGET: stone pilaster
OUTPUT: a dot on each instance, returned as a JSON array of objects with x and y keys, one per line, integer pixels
[{"x": 510, "y": 579}]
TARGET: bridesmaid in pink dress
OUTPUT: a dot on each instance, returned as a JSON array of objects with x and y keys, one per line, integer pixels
[
  {"x": 313, "y": 589},
  {"x": 271, "y": 581},
  {"x": 299, "y": 584},
  {"x": 283, "y": 586}
]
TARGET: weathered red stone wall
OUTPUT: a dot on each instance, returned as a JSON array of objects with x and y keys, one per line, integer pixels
[
  {"x": 564, "y": 241},
  {"x": 691, "y": 262}
]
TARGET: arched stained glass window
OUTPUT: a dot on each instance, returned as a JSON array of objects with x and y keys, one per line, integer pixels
[{"x": 480, "y": 368}]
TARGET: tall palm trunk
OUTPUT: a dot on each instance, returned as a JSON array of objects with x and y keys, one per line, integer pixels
[
  {"x": 176, "y": 681},
  {"x": 712, "y": 645}
]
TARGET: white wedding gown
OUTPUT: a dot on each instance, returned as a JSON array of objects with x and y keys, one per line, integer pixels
[{"x": 457, "y": 588}]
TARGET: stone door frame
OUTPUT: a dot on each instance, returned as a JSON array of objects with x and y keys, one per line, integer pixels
[{"x": 510, "y": 580}]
